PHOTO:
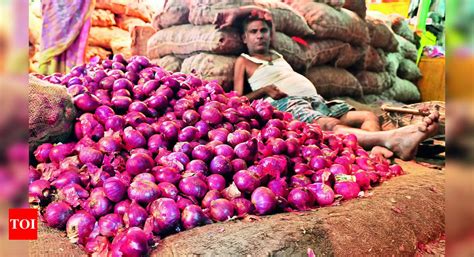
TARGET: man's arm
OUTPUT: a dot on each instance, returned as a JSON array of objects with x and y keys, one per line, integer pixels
[{"x": 239, "y": 76}]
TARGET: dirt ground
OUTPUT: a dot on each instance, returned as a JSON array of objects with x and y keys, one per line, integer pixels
[{"x": 393, "y": 219}]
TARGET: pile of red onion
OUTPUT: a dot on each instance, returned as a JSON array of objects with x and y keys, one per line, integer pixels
[{"x": 155, "y": 153}]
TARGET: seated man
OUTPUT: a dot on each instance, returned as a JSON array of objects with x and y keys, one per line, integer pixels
[{"x": 272, "y": 78}]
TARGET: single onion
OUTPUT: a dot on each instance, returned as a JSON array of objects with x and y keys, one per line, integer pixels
[
  {"x": 42, "y": 152},
  {"x": 242, "y": 206},
  {"x": 221, "y": 210},
  {"x": 238, "y": 164},
  {"x": 57, "y": 214},
  {"x": 301, "y": 199},
  {"x": 135, "y": 215},
  {"x": 138, "y": 163},
  {"x": 166, "y": 214},
  {"x": 91, "y": 155},
  {"x": 167, "y": 174},
  {"x": 264, "y": 200},
  {"x": 143, "y": 191},
  {"x": 220, "y": 165},
  {"x": 190, "y": 117},
  {"x": 86, "y": 102},
  {"x": 79, "y": 226},
  {"x": 193, "y": 216},
  {"x": 97, "y": 205},
  {"x": 362, "y": 179},
  {"x": 238, "y": 136},
  {"x": 168, "y": 190},
  {"x": 209, "y": 197},
  {"x": 322, "y": 193},
  {"x": 203, "y": 152},
  {"x": 246, "y": 181},
  {"x": 212, "y": 116},
  {"x": 193, "y": 186},
  {"x": 110, "y": 224},
  {"x": 122, "y": 207},
  {"x": 216, "y": 182},
  {"x": 348, "y": 189},
  {"x": 219, "y": 134},
  {"x": 133, "y": 138},
  {"x": 131, "y": 242},
  {"x": 115, "y": 189},
  {"x": 279, "y": 187},
  {"x": 115, "y": 123}
]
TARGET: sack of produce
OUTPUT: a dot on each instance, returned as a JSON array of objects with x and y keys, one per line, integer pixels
[
  {"x": 401, "y": 27},
  {"x": 102, "y": 18},
  {"x": 51, "y": 112},
  {"x": 403, "y": 90},
  {"x": 332, "y": 82},
  {"x": 374, "y": 82},
  {"x": 372, "y": 60},
  {"x": 409, "y": 70},
  {"x": 203, "y": 12},
  {"x": 103, "y": 36},
  {"x": 168, "y": 62},
  {"x": 187, "y": 39},
  {"x": 294, "y": 53},
  {"x": 212, "y": 67},
  {"x": 140, "y": 36},
  {"x": 407, "y": 48},
  {"x": 357, "y": 6},
  {"x": 381, "y": 36},
  {"x": 393, "y": 62},
  {"x": 122, "y": 46},
  {"x": 330, "y": 23},
  {"x": 97, "y": 51},
  {"x": 349, "y": 56},
  {"x": 322, "y": 51},
  {"x": 128, "y": 22},
  {"x": 175, "y": 12},
  {"x": 126, "y": 7}
]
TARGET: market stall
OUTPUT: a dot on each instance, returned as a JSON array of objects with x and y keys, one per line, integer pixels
[{"x": 145, "y": 149}]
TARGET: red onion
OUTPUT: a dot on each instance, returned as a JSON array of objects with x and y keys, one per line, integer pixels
[
  {"x": 66, "y": 178},
  {"x": 322, "y": 193},
  {"x": 110, "y": 224},
  {"x": 209, "y": 197},
  {"x": 122, "y": 207},
  {"x": 221, "y": 210},
  {"x": 264, "y": 200},
  {"x": 323, "y": 176},
  {"x": 216, "y": 182},
  {"x": 73, "y": 194},
  {"x": 238, "y": 136},
  {"x": 166, "y": 214},
  {"x": 42, "y": 152},
  {"x": 91, "y": 155},
  {"x": 396, "y": 170},
  {"x": 169, "y": 130},
  {"x": 193, "y": 186},
  {"x": 318, "y": 163},
  {"x": 143, "y": 191},
  {"x": 115, "y": 123},
  {"x": 220, "y": 165},
  {"x": 57, "y": 214},
  {"x": 242, "y": 206},
  {"x": 362, "y": 179},
  {"x": 115, "y": 189},
  {"x": 158, "y": 102},
  {"x": 212, "y": 116},
  {"x": 134, "y": 119},
  {"x": 301, "y": 199},
  {"x": 133, "y": 138},
  {"x": 110, "y": 144},
  {"x": 238, "y": 164},
  {"x": 168, "y": 190},
  {"x": 203, "y": 152},
  {"x": 86, "y": 102},
  {"x": 183, "y": 202},
  {"x": 279, "y": 187},
  {"x": 203, "y": 128},
  {"x": 38, "y": 191},
  {"x": 167, "y": 174},
  {"x": 130, "y": 242},
  {"x": 139, "y": 163},
  {"x": 271, "y": 132},
  {"x": 193, "y": 216},
  {"x": 348, "y": 189},
  {"x": 155, "y": 142},
  {"x": 246, "y": 150},
  {"x": 99, "y": 245},
  {"x": 97, "y": 205},
  {"x": 61, "y": 151},
  {"x": 135, "y": 215},
  {"x": 103, "y": 112},
  {"x": 219, "y": 134},
  {"x": 79, "y": 226},
  {"x": 190, "y": 117},
  {"x": 338, "y": 169},
  {"x": 188, "y": 134},
  {"x": 246, "y": 181}
]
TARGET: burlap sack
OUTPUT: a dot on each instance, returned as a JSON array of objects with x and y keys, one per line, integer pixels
[
  {"x": 407, "y": 48},
  {"x": 169, "y": 63},
  {"x": 357, "y": 6},
  {"x": 372, "y": 60},
  {"x": 409, "y": 70},
  {"x": 140, "y": 36},
  {"x": 285, "y": 18},
  {"x": 349, "y": 56},
  {"x": 381, "y": 36},
  {"x": 403, "y": 91},
  {"x": 401, "y": 27},
  {"x": 126, "y": 7},
  {"x": 97, "y": 51},
  {"x": 374, "y": 82},
  {"x": 337, "y": 4},
  {"x": 175, "y": 12},
  {"x": 212, "y": 67},
  {"x": 187, "y": 39},
  {"x": 333, "y": 82},
  {"x": 102, "y": 18},
  {"x": 103, "y": 36},
  {"x": 330, "y": 23},
  {"x": 295, "y": 54},
  {"x": 128, "y": 22},
  {"x": 51, "y": 112},
  {"x": 122, "y": 46},
  {"x": 393, "y": 62},
  {"x": 324, "y": 51}
]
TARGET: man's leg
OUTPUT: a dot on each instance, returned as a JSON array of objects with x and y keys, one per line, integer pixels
[
  {"x": 364, "y": 120},
  {"x": 403, "y": 141}
]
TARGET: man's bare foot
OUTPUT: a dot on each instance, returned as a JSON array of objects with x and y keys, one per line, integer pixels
[
  {"x": 380, "y": 150},
  {"x": 404, "y": 141}
]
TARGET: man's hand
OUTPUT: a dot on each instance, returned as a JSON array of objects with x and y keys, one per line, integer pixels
[
  {"x": 228, "y": 17},
  {"x": 275, "y": 93}
]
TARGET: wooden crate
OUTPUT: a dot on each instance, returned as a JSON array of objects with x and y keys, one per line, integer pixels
[{"x": 432, "y": 85}]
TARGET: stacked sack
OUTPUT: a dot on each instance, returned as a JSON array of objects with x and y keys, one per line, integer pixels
[
  {"x": 119, "y": 26},
  {"x": 187, "y": 40},
  {"x": 35, "y": 22}
]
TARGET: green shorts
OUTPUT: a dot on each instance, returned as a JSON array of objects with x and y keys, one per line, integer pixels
[{"x": 308, "y": 109}]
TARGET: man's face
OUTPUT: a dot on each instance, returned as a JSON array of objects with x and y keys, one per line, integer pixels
[{"x": 257, "y": 37}]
